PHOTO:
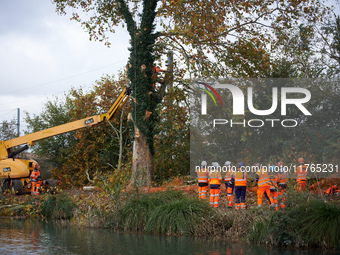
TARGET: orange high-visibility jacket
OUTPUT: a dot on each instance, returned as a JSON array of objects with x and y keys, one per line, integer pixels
[
  {"x": 282, "y": 178},
  {"x": 263, "y": 178},
  {"x": 332, "y": 190},
  {"x": 273, "y": 179},
  {"x": 240, "y": 178},
  {"x": 34, "y": 175},
  {"x": 301, "y": 173},
  {"x": 215, "y": 177},
  {"x": 229, "y": 175},
  {"x": 203, "y": 175}
]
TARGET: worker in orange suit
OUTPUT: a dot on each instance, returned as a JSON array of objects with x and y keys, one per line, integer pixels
[
  {"x": 301, "y": 175},
  {"x": 263, "y": 182},
  {"x": 35, "y": 180},
  {"x": 215, "y": 179},
  {"x": 229, "y": 182},
  {"x": 282, "y": 185},
  {"x": 240, "y": 177},
  {"x": 332, "y": 190},
  {"x": 273, "y": 187},
  {"x": 203, "y": 175},
  {"x": 155, "y": 71}
]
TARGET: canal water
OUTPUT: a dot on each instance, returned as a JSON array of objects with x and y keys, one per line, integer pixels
[{"x": 40, "y": 237}]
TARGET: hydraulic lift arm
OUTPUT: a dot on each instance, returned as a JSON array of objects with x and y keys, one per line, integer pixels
[{"x": 30, "y": 139}]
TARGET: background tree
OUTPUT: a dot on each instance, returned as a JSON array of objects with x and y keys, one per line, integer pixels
[
  {"x": 101, "y": 148},
  {"x": 201, "y": 39},
  {"x": 330, "y": 41},
  {"x": 8, "y": 130},
  {"x": 172, "y": 142},
  {"x": 57, "y": 148},
  {"x": 82, "y": 153}
]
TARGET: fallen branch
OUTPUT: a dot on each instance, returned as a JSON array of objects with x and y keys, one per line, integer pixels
[{"x": 8, "y": 206}]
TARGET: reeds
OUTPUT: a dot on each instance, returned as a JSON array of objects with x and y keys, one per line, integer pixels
[
  {"x": 169, "y": 212},
  {"x": 318, "y": 222},
  {"x": 179, "y": 216},
  {"x": 58, "y": 207},
  {"x": 313, "y": 223}
]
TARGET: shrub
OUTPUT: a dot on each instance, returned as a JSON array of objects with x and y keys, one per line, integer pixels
[
  {"x": 318, "y": 222},
  {"x": 58, "y": 206},
  {"x": 134, "y": 213},
  {"x": 180, "y": 216},
  {"x": 275, "y": 229},
  {"x": 113, "y": 182},
  {"x": 312, "y": 223},
  {"x": 169, "y": 212}
]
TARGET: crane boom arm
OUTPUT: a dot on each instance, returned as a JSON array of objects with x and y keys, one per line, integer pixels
[{"x": 30, "y": 139}]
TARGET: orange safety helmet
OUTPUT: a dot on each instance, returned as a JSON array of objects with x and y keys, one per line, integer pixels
[
  {"x": 301, "y": 160},
  {"x": 279, "y": 163},
  {"x": 157, "y": 69},
  {"x": 37, "y": 166}
]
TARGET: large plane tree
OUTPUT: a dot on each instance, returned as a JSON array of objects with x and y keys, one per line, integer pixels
[{"x": 209, "y": 39}]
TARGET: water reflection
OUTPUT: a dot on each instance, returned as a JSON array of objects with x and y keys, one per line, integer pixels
[{"x": 35, "y": 237}]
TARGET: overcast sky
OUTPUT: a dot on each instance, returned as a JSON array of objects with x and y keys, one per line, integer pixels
[{"x": 44, "y": 54}]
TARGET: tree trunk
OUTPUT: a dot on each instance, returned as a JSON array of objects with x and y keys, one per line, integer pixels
[
  {"x": 145, "y": 98},
  {"x": 142, "y": 161}
]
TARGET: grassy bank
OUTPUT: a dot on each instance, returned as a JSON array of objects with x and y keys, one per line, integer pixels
[
  {"x": 171, "y": 213},
  {"x": 307, "y": 222},
  {"x": 311, "y": 223}
]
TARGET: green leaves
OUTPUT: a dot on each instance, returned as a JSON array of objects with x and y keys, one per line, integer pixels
[
  {"x": 172, "y": 141},
  {"x": 169, "y": 212},
  {"x": 56, "y": 112},
  {"x": 8, "y": 130},
  {"x": 91, "y": 150}
]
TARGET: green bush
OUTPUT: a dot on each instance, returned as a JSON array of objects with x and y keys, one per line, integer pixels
[
  {"x": 58, "y": 207},
  {"x": 318, "y": 222},
  {"x": 275, "y": 229},
  {"x": 169, "y": 212},
  {"x": 312, "y": 223},
  {"x": 179, "y": 216},
  {"x": 134, "y": 213}
]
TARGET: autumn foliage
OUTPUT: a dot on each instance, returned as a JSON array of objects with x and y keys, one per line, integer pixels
[
  {"x": 96, "y": 149},
  {"x": 172, "y": 141}
]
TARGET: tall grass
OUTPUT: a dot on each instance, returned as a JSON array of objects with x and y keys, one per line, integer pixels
[
  {"x": 58, "y": 207},
  {"x": 275, "y": 229},
  {"x": 179, "y": 216},
  {"x": 318, "y": 222},
  {"x": 312, "y": 223},
  {"x": 134, "y": 213},
  {"x": 169, "y": 212}
]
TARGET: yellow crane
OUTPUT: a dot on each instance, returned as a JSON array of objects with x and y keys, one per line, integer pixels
[{"x": 15, "y": 173}]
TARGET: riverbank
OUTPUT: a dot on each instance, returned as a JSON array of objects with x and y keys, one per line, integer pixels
[{"x": 309, "y": 220}]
